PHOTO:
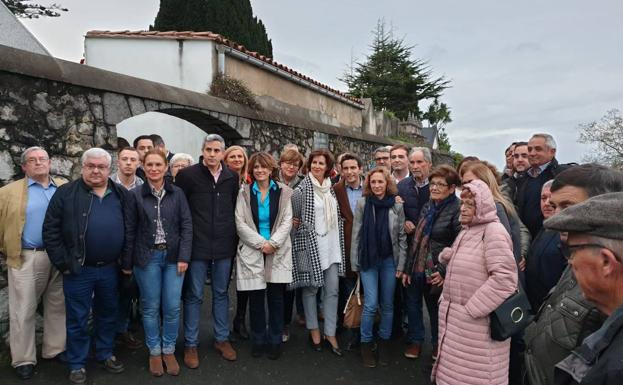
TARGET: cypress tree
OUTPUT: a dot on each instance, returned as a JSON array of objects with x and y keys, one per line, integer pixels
[{"x": 231, "y": 18}]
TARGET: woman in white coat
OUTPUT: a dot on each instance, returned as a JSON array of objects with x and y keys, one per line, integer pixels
[{"x": 264, "y": 258}]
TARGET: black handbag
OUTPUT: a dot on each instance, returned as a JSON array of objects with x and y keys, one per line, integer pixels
[{"x": 511, "y": 317}]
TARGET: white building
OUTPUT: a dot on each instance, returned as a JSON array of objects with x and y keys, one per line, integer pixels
[{"x": 190, "y": 60}]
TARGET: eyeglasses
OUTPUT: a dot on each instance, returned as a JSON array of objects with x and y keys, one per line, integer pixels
[
  {"x": 380, "y": 158},
  {"x": 98, "y": 167},
  {"x": 568, "y": 250},
  {"x": 438, "y": 185},
  {"x": 41, "y": 159}
]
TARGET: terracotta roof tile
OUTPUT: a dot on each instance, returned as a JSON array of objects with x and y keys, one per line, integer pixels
[{"x": 207, "y": 35}]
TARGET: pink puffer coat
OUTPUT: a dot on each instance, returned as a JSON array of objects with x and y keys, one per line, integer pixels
[{"x": 481, "y": 274}]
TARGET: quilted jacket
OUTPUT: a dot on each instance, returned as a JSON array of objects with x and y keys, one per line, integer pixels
[
  {"x": 562, "y": 323},
  {"x": 481, "y": 274}
]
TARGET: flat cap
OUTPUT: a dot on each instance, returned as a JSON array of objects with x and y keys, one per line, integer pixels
[{"x": 601, "y": 216}]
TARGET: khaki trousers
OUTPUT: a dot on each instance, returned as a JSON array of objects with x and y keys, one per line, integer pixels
[{"x": 37, "y": 279}]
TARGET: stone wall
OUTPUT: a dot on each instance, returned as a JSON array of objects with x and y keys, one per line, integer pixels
[
  {"x": 271, "y": 138},
  {"x": 63, "y": 119}
]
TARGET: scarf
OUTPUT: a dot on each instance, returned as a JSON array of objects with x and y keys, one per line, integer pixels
[
  {"x": 324, "y": 192},
  {"x": 424, "y": 265},
  {"x": 375, "y": 236}
]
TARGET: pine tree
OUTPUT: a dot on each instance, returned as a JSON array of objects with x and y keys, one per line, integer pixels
[
  {"x": 28, "y": 10},
  {"x": 231, "y": 18},
  {"x": 392, "y": 78}
]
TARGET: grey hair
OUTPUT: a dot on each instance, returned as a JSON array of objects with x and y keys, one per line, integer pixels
[
  {"x": 381, "y": 149},
  {"x": 549, "y": 140},
  {"x": 615, "y": 245},
  {"x": 97, "y": 153},
  {"x": 29, "y": 150},
  {"x": 428, "y": 157},
  {"x": 547, "y": 185},
  {"x": 181, "y": 156},
  {"x": 214, "y": 138},
  {"x": 291, "y": 146}
]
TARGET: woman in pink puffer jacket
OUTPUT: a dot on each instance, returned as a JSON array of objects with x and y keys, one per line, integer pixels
[{"x": 481, "y": 274}]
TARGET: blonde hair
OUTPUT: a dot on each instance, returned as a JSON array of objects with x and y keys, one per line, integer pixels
[
  {"x": 487, "y": 173},
  {"x": 243, "y": 171}
]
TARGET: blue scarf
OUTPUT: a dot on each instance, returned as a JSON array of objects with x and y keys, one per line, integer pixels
[{"x": 374, "y": 238}]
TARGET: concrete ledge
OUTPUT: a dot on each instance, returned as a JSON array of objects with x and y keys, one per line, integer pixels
[{"x": 44, "y": 67}]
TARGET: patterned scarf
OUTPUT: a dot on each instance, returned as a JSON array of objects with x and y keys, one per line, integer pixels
[
  {"x": 324, "y": 193},
  {"x": 424, "y": 264}
]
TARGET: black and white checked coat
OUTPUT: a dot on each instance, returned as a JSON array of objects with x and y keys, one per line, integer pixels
[{"x": 306, "y": 269}]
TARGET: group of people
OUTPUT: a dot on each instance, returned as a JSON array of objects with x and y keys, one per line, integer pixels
[{"x": 309, "y": 231}]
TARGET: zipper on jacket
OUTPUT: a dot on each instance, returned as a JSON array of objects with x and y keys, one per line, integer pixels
[{"x": 84, "y": 235}]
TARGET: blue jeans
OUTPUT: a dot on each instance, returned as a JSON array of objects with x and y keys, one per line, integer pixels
[
  {"x": 379, "y": 283},
  {"x": 415, "y": 292},
  {"x": 160, "y": 286},
  {"x": 194, "y": 284},
  {"x": 94, "y": 288},
  {"x": 273, "y": 294}
]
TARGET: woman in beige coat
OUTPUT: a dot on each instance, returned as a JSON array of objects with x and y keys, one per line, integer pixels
[{"x": 264, "y": 257}]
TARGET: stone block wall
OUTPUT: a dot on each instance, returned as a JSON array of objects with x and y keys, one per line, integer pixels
[
  {"x": 63, "y": 119},
  {"x": 271, "y": 138}
]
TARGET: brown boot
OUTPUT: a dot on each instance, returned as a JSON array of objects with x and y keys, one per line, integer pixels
[
  {"x": 367, "y": 355},
  {"x": 413, "y": 351},
  {"x": 226, "y": 350},
  {"x": 173, "y": 368},
  {"x": 191, "y": 358},
  {"x": 155, "y": 366}
]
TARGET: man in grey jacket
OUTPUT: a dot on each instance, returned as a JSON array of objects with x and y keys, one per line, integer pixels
[{"x": 566, "y": 316}]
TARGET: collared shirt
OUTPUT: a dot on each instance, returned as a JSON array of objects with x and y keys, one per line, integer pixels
[
  {"x": 263, "y": 209},
  {"x": 534, "y": 172},
  {"x": 160, "y": 234},
  {"x": 38, "y": 200},
  {"x": 421, "y": 184},
  {"x": 218, "y": 172},
  {"x": 353, "y": 195},
  {"x": 398, "y": 180},
  {"x": 136, "y": 182}
]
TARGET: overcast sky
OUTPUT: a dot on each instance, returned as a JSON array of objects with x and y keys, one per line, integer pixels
[{"x": 516, "y": 67}]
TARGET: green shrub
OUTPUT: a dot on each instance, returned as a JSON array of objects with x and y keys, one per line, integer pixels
[{"x": 232, "y": 89}]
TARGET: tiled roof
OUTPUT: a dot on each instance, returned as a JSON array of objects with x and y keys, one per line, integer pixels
[{"x": 190, "y": 35}]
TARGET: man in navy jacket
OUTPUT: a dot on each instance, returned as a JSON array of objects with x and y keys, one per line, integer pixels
[{"x": 211, "y": 190}]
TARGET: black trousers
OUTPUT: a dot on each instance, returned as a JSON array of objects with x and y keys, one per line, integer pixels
[{"x": 273, "y": 296}]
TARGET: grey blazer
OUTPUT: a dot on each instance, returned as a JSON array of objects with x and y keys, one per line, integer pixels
[{"x": 396, "y": 232}]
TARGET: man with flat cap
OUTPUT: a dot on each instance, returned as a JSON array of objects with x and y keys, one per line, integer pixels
[{"x": 595, "y": 245}]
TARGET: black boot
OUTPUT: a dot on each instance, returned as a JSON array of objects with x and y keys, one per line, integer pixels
[
  {"x": 367, "y": 355},
  {"x": 352, "y": 339},
  {"x": 383, "y": 352}
]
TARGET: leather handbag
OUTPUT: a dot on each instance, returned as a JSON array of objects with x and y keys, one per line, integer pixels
[
  {"x": 511, "y": 317},
  {"x": 354, "y": 307}
]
